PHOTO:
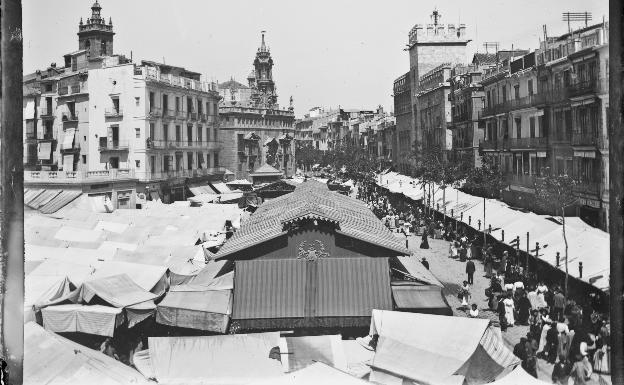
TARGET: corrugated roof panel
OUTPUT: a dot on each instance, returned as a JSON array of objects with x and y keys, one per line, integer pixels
[
  {"x": 30, "y": 194},
  {"x": 45, "y": 197},
  {"x": 353, "y": 287},
  {"x": 269, "y": 289},
  {"x": 294, "y": 288},
  {"x": 59, "y": 201}
]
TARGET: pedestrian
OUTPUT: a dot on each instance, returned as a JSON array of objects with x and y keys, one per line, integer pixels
[
  {"x": 424, "y": 244},
  {"x": 487, "y": 263},
  {"x": 551, "y": 343},
  {"x": 108, "y": 348},
  {"x": 519, "y": 349},
  {"x": 470, "y": 270},
  {"x": 465, "y": 295},
  {"x": 503, "y": 263},
  {"x": 559, "y": 304},
  {"x": 474, "y": 311},
  {"x": 561, "y": 371},
  {"x": 524, "y": 307},
  {"x": 541, "y": 292},
  {"x": 581, "y": 370},
  {"x": 509, "y": 310},
  {"x": 425, "y": 263},
  {"x": 501, "y": 313}
]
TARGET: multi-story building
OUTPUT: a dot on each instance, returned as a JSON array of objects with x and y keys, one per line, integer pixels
[
  {"x": 467, "y": 99},
  {"x": 404, "y": 120},
  {"x": 549, "y": 109},
  {"x": 102, "y": 119},
  {"x": 254, "y": 129},
  {"x": 434, "y": 109},
  {"x": 431, "y": 47}
]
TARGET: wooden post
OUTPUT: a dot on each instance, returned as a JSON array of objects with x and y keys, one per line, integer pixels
[
  {"x": 484, "y": 236},
  {"x": 479, "y": 224},
  {"x": 616, "y": 188},
  {"x": 558, "y": 257},
  {"x": 503, "y": 235},
  {"x": 469, "y": 220},
  {"x": 11, "y": 192},
  {"x": 527, "y": 256}
]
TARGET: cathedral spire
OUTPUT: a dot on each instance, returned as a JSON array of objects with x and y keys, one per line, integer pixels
[{"x": 263, "y": 45}]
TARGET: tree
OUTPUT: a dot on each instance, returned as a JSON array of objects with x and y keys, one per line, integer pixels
[
  {"x": 307, "y": 155},
  {"x": 554, "y": 193},
  {"x": 485, "y": 181}
]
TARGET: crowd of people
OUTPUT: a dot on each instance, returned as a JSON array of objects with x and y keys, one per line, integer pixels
[{"x": 571, "y": 335}]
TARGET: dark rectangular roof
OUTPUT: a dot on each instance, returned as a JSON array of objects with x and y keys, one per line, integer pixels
[
  {"x": 296, "y": 288},
  {"x": 312, "y": 199}
]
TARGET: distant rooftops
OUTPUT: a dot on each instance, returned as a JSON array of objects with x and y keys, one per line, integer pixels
[{"x": 175, "y": 70}]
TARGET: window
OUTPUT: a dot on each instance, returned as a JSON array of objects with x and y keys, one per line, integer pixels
[
  {"x": 138, "y": 132},
  {"x": 530, "y": 87},
  {"x": 178, "y": 134},
  {"x": 207, "y": 160},
  {"x": 71, "y": 108},
  {"x": 115, "y": 105},
  {"x": 200, "y": 132},
  {"x": 84, "y": 159},
  {"x": 240, "y": 142},
  {"x": 214, "y": 134},
  {"x": 153, "y": 163},
  {"x": 199, "y": 106},
  {"x": 189, "y": 133},
  {"x": 504, "y": 92},
  {"x": 517, "y": 91},
  {"x": 166, "y": 132},
  {"x": 152, "y": 131},
  {"x": 177, "y": 104},
  {"x": 151, "y": 101},
  {"x": 200, "y": 160},
  {"x": 216, "y": 159},
  {"x": 215, "y": 109},
  {"x": 165, "y": 104},
  {"x": 168, "y": 163},
  {"x": 532, "y": 127},
  {"x": 189, "y": 160},
  {"x": 137, "y": 163},
  {"x": 189, "y": 104},
  {"x": 137, "y": 100}
]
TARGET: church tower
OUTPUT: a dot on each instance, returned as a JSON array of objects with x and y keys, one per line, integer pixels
[
  {"x": 263, "y": 82},
  {"x": 95, "y": 35}
]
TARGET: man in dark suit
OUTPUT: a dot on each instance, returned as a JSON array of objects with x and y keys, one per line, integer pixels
[{"x": 470, "y": 269}]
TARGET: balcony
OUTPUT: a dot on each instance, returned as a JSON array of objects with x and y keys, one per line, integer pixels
[
  {"x": 160, "y": 175},
  {"x": 46, "y": 113},
  {"x": 203, "y": 117},
  {"x": 152, "y": 74},
  {"x": 584, "y": 139},
  {"x": 527, "y": 143},
  {"x": 154, "y": 112},
  {"x": 192, "y": 116},
  {"x": 587, "y": 188},
  {"x": 491, "y": 145},
  {"x": 180, "y": 114},
  {"x": 47, "y": 138},
  {"x": 113, "y": 113},
  {"x": 180, "y": 144},
  {"x": 589, "y": 86},
  {"x": 70, "y": 117},
  {"x": 168, "y": 113},
  {"x": 524, "y": 102},
  {"x": 77, "y": 176},
  {"x": 69, "y": 149},
  {"x": 113, "y": 145},
  {"x": 72, "y": 89}
]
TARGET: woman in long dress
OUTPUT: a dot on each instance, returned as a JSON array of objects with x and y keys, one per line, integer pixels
[
  {"x": 509, "y": 311},
  {"x": 424, "y": 244}
]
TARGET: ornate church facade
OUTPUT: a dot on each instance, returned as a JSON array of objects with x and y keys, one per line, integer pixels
[{"x": 255, "y": 130}]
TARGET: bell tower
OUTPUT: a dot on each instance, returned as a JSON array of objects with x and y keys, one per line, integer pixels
[
  {"x": 96, "y": 36},
  {"x": 263, "y": 77}
]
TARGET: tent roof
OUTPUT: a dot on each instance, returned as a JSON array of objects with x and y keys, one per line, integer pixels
[
  {"x": 424, "y": 298},
  {"x": 355, "y": 219},
  {"x": 518, "y": 376},
  {"x": 50, "y": 358},
  {"x": 117, "y": 290},
  {"x": 266, "y": 170},
  {"x": 229, "y": 359},
  {"x": 317, "y": 373},
  {"x": 343, "y": 287},
  {"x": 416, "y": 269}
]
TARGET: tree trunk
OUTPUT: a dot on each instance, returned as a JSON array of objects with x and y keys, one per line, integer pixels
[
  {"x": 444, "y": 203},
  {"x": 565, "y": 240}
]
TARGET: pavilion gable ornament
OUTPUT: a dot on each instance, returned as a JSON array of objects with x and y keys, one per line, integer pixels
[{"x": 312, "y": 251}]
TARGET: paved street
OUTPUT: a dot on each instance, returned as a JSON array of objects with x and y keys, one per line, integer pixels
[{"x": 451, "y": 273}]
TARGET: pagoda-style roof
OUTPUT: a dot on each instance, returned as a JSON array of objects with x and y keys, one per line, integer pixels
[{"x": 266, "y": 170}]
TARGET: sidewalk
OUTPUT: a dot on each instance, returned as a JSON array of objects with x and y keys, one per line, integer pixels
[{"x": 451, "y": 272}]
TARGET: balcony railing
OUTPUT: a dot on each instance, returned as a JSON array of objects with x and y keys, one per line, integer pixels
[
  {"x": 70, "y": 117},
  {"x": 168, "y": 113},
  {"x": 113, "y": 112},
  {"x": 154, "y": 112},
  {"x": 192, "y": 116},
  {"x": 159, "y": 175},
  {"x": 77, "y": 176},
  {"x": 203, "y": 117},
  {"x": 496, "y": 144},
  {"x": 584, "y": 139},
  {"x": 526, "y": 143},
  {"x": 46, "y": 137},
  {"x": 46, "y": 113},
  {"x": 180, "y": 114},
  {"x": 71, "y": 89},
  {"x": 587, "y": 187},
  {"x": 588, "y": 86},
  {"x": 75, "y": 147},
  {"x": 114, "y": 145},
  {"x": 176, "y": 144}
]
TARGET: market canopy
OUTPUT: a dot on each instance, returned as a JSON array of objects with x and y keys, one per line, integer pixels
[
  {"x": 52, "y": 359},
  {"x": 420, "y": 299},
  {"x": 338, "y": 292},
  {"x": 230, "y": 359},
  {"x": 202, "y": 310},
  {"x": 90, "y": 319},
  {"x": 430, "y": 348}
]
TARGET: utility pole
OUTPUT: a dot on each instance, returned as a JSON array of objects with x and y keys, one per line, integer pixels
[
  {"x": 616, "y": 188},
  {"x": 11, "y": 192}
]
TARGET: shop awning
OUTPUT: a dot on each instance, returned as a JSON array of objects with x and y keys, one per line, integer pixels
[
  {"x": 330, "y": 288},
  {"x": 117, "y": 290},
  {"x": 199, "y": 188},
  {"x": 202, "y": 310},
  {"x": 221, "y": 187},
  {"x": 421, "y": 299},
  {"x": 91, "y": 319}
]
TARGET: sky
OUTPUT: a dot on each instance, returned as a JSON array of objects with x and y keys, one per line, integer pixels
[{"x": 326, "y": 53}]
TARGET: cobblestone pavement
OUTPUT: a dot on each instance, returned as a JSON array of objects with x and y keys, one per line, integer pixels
[{"x": 451, "y": 272}]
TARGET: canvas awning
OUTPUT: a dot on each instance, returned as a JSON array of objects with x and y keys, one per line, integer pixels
[
  {"x": 518, "y": 376},
  {"x": 421, "y": 299},
  {"x": 445, "y": 346},
  {"x": 416, "y": 270},
  {"x": 221, "y": 187},
  {"x": 200, "y": 189},
  {"x": 326, "y": 292},
  {"x": 52, "y": 359},
  {"x": 117, "y": 290},
  {"x": 300, "y": 352},
  {"x": 91, "y": 319},
  {"x": 68, "y": 138},
  {"x": 317, "y": 373},
  {"x": 202, "y": 310},
  {"x": 44, "y": 152},
  {"x": 230, "y": 359}
]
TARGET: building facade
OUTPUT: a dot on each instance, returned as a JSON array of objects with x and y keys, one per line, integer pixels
[
  {"x": 434, "y": 109},
  {"x": 401, "y": 91},
  {"x": 102, "y": 118},
  {"x": 255, "y": 130},
  {"x": 548, "y": 109}
]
